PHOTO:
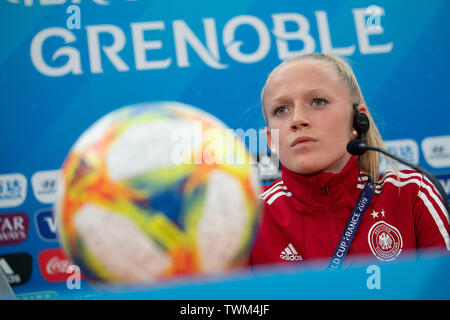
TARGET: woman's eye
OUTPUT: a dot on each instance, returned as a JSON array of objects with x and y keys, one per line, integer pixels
[
  {"x": 319, "y": 102},
  {"x": 280, "y": 110}
]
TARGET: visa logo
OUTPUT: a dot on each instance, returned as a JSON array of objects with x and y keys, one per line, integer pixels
[
  {"x": 46, "y": 224},
  {"x": 444, "y": 179}
]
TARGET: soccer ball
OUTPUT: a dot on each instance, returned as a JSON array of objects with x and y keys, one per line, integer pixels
[{"x": 156, "y": 191}]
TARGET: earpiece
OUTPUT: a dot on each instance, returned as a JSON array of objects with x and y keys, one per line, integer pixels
[{"x": 360, "y": 122}]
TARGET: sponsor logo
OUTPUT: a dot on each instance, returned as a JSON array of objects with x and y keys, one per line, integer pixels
[
  {"x": 290, "y": 254},
  {"x": 437, "y": 151},
  {"x": 13, "y": 190},
  {"x": 407, "y": 149},
  {"x": 45, "y": 185},
  {"x": 444, "y": 179},
  {"x": 13, "y": 228},
  {"x": 54, "y": 265},
  {"x": 16, "y": 267},
  {"x": 385, "y": 241},
  {"x": 46, "y": 225}
]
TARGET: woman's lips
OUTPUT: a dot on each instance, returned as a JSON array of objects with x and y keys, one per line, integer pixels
[{"x": 302, "y": 141}]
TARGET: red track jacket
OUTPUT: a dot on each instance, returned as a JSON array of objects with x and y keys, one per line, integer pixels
[{"x": 305, "y": 216}]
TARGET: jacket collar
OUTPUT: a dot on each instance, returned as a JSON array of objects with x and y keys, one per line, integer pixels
[{"x": 326, "y": 188}]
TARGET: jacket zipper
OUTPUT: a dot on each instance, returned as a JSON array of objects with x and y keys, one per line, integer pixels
[{"x": 331, "y": 218}]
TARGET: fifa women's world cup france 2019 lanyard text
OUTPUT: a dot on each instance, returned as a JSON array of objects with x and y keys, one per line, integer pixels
[{"x": 352, "y": 225}]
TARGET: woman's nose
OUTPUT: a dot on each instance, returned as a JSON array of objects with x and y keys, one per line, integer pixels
[{"x": 299, "y": 119}]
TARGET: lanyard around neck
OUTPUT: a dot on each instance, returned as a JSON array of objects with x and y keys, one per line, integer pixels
[{"x": 352, "y": 225}]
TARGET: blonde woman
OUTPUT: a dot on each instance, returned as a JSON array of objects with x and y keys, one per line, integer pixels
[{"x": 317, "y": 209}]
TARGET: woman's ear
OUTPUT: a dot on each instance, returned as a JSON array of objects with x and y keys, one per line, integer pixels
[
  {"x": 361, "y": 121},
  {"x": 362, "y": 108}
]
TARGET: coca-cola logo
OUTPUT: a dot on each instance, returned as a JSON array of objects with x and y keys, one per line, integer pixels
[{"x": 54, "y": 265}]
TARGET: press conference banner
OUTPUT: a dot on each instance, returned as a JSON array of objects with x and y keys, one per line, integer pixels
[{"x": 64, "y": 64}]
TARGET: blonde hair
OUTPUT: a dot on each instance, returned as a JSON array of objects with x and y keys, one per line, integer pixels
[{"x": 370, "y": 161}]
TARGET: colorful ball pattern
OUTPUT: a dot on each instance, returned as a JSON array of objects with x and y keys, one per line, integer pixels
[{"x": 156, "y": 191}]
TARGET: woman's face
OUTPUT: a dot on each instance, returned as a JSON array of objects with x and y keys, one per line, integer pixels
[{"x": 312, "y": 109}]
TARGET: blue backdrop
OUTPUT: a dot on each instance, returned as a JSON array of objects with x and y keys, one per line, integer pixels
[{"x": 64, "y": 64}]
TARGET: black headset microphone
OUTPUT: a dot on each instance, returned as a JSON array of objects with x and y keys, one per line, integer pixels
[{"x": 358, "y": 147}]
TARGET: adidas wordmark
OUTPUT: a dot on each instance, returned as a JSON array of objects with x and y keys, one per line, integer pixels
[{"x": 290, "y": 254}]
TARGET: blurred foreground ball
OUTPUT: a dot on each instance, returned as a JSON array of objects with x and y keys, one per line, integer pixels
[{"x": 154, "y": 191}]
